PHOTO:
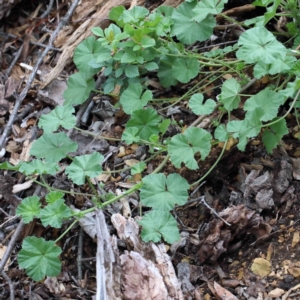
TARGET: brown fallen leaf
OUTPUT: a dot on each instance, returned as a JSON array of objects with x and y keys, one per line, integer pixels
[
  {"x": 222, "y": 293},
  {"x": 276, "y": 293},
  {"x": 294, "y": 272},
  {"x": 295, "y": 240}
]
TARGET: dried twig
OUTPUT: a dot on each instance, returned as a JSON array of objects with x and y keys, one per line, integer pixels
[
  {"x": 7, "y": 73},
  {"x": 79, "y": 254},
  {"x": 31, "y": 42},
  {"x": 11, "y": 285},
  {"x": 202, "y": 200},
  {"x": 23, "y": 94},
  {"x": 11, "y": 245},
  {"x": 47, "y": 11}
]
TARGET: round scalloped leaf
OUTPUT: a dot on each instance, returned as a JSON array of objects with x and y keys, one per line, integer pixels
[
  {"x": 39, "y": 258},
  {"x": 162, "y": 193},
  {"x": 184, "y": 146}
]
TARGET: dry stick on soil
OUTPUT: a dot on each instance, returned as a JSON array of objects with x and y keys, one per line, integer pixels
[
  {"x": 105, "y": 259},
  {"x": 47, "y": 11},
  {"x": 79, "y": 254},
  {"x": 7, "y": 73},
  {"x": 23, "y": 94},
  {"x": 11, "y": 245},
  {"x": 11, "y": 285},
  {"x": 31, "y": 42}
]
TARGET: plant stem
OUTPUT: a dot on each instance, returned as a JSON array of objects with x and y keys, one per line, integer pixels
[
  {"x": 212, "y": 167},
  {"x": 66, "y": 231},
  {"x": 284, "y": 116}
]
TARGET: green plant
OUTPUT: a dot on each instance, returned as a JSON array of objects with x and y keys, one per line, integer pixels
[{"x": 141, "y": 42}]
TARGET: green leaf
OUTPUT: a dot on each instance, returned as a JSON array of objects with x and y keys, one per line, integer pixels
[
  {"x": 277, "y": 66},
  {"x": 115, "y": 14},
  {"x": 165, "y": 72},
  {"x": 147, "y": 42},
  {"x": 257, "y": 21},
  {"x": 133, "y": 98},
  {"x": 54, "y": 196},
  {"x": 206, "y": 7},
  {"x": 86, "y": 51},
  {"x": 165, "y": 10},
  {"x": 197, "y": 106},
  {"x": 55, "y": 213},
  {"x": 130, "y": 135},
  {"x": 29, "y": 208},
  {"x": 221, "y": 133},
  {"x": 272, "y": 137},
  {"x": 113, "y": 31},
  {"x": 282, "y": 64},
  {"x": 268, "y": 100},
  {"x": 53, "y": 147},
  {"x": 131, "y": 56},
  {"x": 258, "y": 44},
  {"x": 134, "y": 15},
  {"x": 162, "y": 193},
  {"x": 230, "y": 94},
  {"x": 271, "y": 10},
  {"x": 186, "y": 29},
  {"x": 104, "y": 56},
  {"x": 78, "y": 89},
  {"x": 291, "y": 89},
  {"x": 250, "y": 127},
  {"x": 185, "y": 69},
  {"x": 39, "y": 258},
  {"x": 151, "y": 66},
  {"x": 37, "y": 166},
  {"x": 98, "y": 31},
  {"x": 138, "y": 168},
  {"x": 183, "y": 147},
  {"x": 164, "y": 125},
  {"x": 131, "y": 71},
  {"x": 7, "y": 166},
  {"x": 146, "y": 121},
  {"x": 157, "y": 224},
  {"x": 60, "y": 116},
  {"x": 85, "y": 165}
]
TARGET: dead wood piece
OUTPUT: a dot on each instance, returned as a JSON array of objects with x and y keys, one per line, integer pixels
[
  {"x": 128, "y": 231},
  {"x": 184, "y": 274},
  {"x": 105, "y": 260},
  {"x": 236, "y": 11},
  {"x": 173, "y": 3},
  {"x": 4, "y": 104},
  {"x": 141, "y": 279},
  {"x": 99, "y": 18}
]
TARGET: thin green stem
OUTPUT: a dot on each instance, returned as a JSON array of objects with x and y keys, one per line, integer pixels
[
  {"x": 93, "y": 188},
  {"x": 212, "y": 167},
  {"x": 161, "y": 165},
  {"x": 66, "y": 231},
  {"x": 285, "y": 115},
  {"x": 104, "y": 204}
]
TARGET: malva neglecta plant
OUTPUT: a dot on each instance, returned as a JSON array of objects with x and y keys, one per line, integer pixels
[{"x": 139, "y": 43}]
